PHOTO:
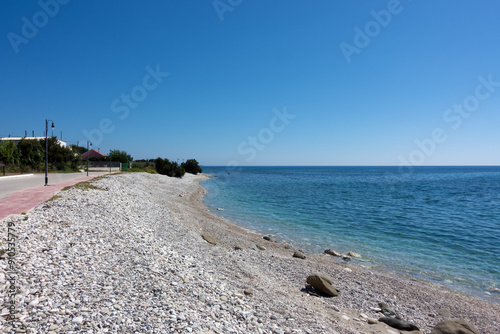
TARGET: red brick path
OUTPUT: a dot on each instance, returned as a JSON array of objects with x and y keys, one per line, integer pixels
[{"x": 25, "y": 200}]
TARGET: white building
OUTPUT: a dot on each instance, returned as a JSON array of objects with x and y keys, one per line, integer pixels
[{"x": 16, "y": 140}]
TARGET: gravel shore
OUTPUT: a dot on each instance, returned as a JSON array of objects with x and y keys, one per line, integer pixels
[{"x": 126, "y": 255}]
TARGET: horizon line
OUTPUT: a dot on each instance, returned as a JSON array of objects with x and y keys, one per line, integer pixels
[{"x": 402, "y": 166}]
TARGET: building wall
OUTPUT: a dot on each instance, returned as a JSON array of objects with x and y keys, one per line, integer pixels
[{"x": 16, "y": 140}]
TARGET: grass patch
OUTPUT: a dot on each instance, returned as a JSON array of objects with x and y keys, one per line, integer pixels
[
  {"x": 54, "y": 198},
  {"x": 87, "y": 185},
  {"x": 133, "y": 170},
  {"x": 139, "y": 170}
]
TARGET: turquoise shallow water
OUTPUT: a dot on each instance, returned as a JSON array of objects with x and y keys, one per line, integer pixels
[{"x": 441, "y": 224}]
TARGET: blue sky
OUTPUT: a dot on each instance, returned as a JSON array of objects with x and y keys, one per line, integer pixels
[{"x": 258, "y": 82}]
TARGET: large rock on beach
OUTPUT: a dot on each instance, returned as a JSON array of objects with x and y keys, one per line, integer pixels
[
  {"x": 323, "y": 276},
  {"x": 454, "y": 327},
  {"x": 299, "y": 254},
  {"x": 209, "y": 238},
  {"x": 323, "y": 284},
  {"x": 398, "y": 324}
]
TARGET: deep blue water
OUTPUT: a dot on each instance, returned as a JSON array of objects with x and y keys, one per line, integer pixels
[{"x": 441, "y": 224}]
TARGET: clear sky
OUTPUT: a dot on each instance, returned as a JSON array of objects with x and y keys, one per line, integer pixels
[{"x": 258, "y": 82}]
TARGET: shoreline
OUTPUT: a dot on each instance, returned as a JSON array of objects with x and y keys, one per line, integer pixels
[
  {"x": 370, "y": 265},
  {"x": 475, "y": 283},
  {"x": 402, "y": 278},
  {"x": 128, "y": 256}
]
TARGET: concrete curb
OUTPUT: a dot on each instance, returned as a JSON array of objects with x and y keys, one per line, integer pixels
[{"x": 14, "y": 176}]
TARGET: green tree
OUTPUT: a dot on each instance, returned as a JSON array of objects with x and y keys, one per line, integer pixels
[
  {"x": 169, "y": 168},
  {"x": 78, "y": 149},
  {"x": 61, "y": 158},
  {"x": 9, "y": 153},
  {"x": 191, "y": 166},
  {"x": 32, "y": 153},
  {"x": 121, "y": 156}
]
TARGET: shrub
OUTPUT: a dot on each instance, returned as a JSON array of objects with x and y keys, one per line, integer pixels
[
  {"x": 122, "y": 156},
  {"x": 137, "y": 165},
  {"x": 166, "y": 167},
  {"x": 179, "y": 172},
  {"x": 191, "y": 166}
]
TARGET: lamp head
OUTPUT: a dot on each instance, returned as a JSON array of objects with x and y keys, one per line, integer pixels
[{"x": 52, "y": 126}]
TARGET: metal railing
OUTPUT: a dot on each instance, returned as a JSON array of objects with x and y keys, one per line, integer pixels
[{"x": 103, "y": 166}]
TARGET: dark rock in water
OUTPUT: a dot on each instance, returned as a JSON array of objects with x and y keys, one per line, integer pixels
[
  {"x": 386, "y": 309},
  {"x": 398, "y": 324},
  {"x": 209, "y": 238},
  {"x": 332, "y": 252},
  {"x": 454, "y": 327},
  {"x": 322, "y": 286},
  {"x": 299, "y": 255},
  {"x": 267, "y": 238}
]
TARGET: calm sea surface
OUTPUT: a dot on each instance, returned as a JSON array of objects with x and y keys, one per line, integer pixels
[{"x": 441, "y": 224}]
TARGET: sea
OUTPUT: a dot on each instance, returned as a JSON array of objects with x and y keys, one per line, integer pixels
[{"x": 438, "y": 224}]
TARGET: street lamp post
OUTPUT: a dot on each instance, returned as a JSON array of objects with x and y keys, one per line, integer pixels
[
  {"x": 88, "y": 142},
  {"x": 47, "y": 149}
]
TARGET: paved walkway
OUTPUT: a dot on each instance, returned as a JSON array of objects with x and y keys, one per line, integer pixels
[
  {"x": 25, "y": 200},
  {"x": 12, "y": 184}
]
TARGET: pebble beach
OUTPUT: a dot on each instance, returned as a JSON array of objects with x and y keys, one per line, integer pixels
[{"x": 125, "y": 254}]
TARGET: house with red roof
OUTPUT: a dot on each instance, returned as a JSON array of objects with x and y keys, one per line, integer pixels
[{"x": 93, "y": 154}]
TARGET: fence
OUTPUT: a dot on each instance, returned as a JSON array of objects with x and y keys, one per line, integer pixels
[{"x": 103, "y": 166}]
